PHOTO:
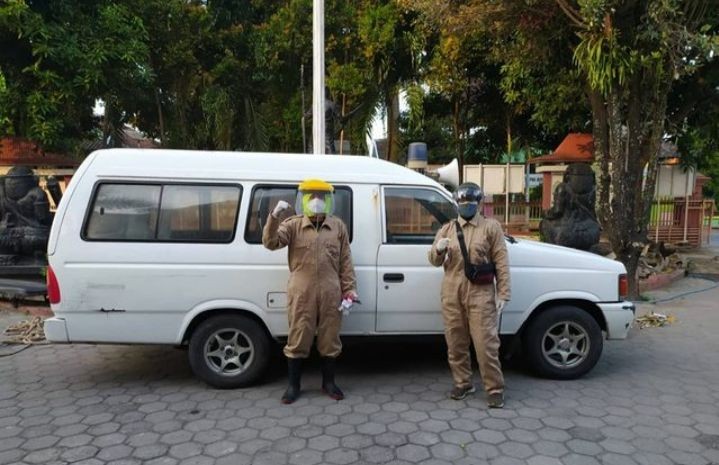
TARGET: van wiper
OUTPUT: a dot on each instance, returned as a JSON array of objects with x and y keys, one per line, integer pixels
[{"x": 511, "y": 239}]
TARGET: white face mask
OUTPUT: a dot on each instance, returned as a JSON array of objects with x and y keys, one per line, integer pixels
[{"x": 316, "y": 206}]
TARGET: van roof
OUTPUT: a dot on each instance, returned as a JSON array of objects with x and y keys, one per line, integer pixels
[{"x": 252, "y": 166}]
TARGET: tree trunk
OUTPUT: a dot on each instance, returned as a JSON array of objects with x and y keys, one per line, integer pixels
[
  {"x": 393, "y": 147},
  {"x": 160, "y": 116},
  {"x": 601, "y": 154},
  {"x": 628, "y": 127},
  {"x": 458, "y": 139}
]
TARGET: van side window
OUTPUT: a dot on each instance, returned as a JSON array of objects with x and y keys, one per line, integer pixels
[
  {"x": 163, "y": 213},
  {"x": 124, "y": 212},
  {"x": 198, "y": 213},
  {"x": 264, "y": 199},
  {"x": 414, "y": 215}
]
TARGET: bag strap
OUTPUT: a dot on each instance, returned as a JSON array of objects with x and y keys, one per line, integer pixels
[{"x": 462, "y": 246}]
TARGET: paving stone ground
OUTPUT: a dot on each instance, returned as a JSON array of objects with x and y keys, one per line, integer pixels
[{"x": 653, "y": 399}]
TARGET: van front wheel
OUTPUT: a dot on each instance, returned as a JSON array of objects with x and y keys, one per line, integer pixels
[
  {"x": 563, "y": 342},
  {"x": 229, "y": 351}
]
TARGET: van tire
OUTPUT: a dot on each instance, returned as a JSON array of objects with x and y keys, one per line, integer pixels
[
  {"x": 218, "y": 363},
  {"x": 563, "y": 342}
]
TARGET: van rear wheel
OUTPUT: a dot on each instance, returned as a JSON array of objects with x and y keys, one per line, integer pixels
[
  {"x": 563, "y": 342},
  {"x": 229, "y": 351}
]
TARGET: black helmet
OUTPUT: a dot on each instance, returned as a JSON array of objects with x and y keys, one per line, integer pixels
[{"x": 468, "y": 192}]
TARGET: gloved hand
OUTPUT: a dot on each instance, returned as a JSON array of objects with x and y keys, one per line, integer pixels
[
  {"x": 280, "y": 207},
  {"x": 442, "y": 244},
  {"x": 348, "y": 299},
  {"x": 500, "y": 305}
]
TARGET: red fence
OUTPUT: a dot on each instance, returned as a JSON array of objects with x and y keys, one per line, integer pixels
[
  {"x": 681, "y": 221},
  {"x": 672, "y": 220}
]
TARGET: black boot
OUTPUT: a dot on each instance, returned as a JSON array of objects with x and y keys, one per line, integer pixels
[
  {"x": 294, "y": 373},
  {"x": 328, "y": 379}
]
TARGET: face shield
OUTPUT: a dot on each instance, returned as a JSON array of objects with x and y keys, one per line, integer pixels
[
  {"x": 313, "y": 203},
  {"x": 468, "y": 197}
]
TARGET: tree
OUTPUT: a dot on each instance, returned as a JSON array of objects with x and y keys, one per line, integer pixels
[
  {"x": 58, "y": 58},
  {"x": 492, "y": 102},
  {"x": 393, "y": 49},
  {"x": 631, "y": 54},
  {"x": 622, "y": 57}
]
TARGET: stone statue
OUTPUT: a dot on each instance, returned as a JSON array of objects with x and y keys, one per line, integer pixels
[
  {"x": 25, "y": 219},
  {"x": 571, "y": 221},
  {"x": 335, "y": 122}
]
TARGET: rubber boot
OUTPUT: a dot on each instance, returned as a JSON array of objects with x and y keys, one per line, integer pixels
[
  {"x": 294, "y": 373},
  {"x": 328, "y": 379}
]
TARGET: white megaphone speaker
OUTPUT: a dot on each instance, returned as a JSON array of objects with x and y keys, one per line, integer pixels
[{"x": 449, "y": 174}]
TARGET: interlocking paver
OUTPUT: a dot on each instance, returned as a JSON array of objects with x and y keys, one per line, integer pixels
[
  {"x": 150, "y": 451},
  {"x": 290, "y": 444},
  {"x": 580, "y": 446},
  {"x": 323, "y": 443},
  {"x": 341, "y": 456},
  {"x": 76, "y": 454},
  {"x": 391, "y": 439},
  {"x": 185, "y": 450},
  {"x": 424, "y": 438},
  {"x": 445, "y": 451},
  {"x": 412, "y": 453},
  {"x": 305, "y": 457},
  {"x": 377, "y": 454},
  {"x": 652, "y": 399},
  {"x": 114, "y": 452}
]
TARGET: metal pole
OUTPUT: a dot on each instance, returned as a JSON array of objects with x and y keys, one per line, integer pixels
[
  {"x": 506, "y": 177},
  {"x": 318, "y": 77},
  {"x": 303, "y": 120},
  {"x": 659, "y": 213},
  {"x": 506, "y": 197},
  {"x": 686, "y": 205},
  {"x": 342, "y": 132}
]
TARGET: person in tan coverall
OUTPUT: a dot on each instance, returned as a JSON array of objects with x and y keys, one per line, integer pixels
[
  {"x": 321, "y": 276},
  {"x": 471, "y": 311}
]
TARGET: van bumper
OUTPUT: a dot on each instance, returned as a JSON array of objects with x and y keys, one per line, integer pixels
[
  {"x": 619, "y": 317},
  {"x": 56, "y": 330}
]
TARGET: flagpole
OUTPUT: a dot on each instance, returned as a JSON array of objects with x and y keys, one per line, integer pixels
[{"x": 318, "y": 77}]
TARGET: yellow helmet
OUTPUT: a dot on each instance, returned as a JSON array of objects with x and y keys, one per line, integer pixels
[{"x": 316, "y": 185}]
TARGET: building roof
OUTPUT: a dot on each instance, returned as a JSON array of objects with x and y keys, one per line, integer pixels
[
  {"x": 575, "y": 148},
  {"x": 702, "y": 177},
  {"x": 131, "y": 138},
  {"x": 18, "y": 151}
]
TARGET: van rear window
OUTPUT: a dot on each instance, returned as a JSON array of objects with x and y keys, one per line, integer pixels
[
  {"x": 265, "y": 197},
  {"x": 163, "y": 213}
]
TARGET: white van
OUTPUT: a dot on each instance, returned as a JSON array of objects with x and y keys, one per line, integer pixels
[{"x": 164, "y": 247}]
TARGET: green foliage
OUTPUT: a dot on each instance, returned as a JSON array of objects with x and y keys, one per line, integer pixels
[
  {"x": 5, "y": 122},
  {"x": 479, "y": 77},
  {"x": 57, "y": 59},
  {"x": 604, "y": 61}
]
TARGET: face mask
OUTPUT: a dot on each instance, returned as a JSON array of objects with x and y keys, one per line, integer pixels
[
  {"x": 467, "y": 210},
  {"x": 316, "y": 206}
]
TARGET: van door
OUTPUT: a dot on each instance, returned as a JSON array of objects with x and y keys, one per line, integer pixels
[
  {"x": 358, "y": 207},
  {"x": 408, "y": 287}
]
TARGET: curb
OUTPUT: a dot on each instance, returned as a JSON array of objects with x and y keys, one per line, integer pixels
[
  {"x": 31, "y": 310},
  {"x": 660, "y": 280},
  {"x": 43, "y": 312}
]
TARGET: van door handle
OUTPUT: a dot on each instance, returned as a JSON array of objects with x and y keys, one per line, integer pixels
[{"x": 393, "y": 278}]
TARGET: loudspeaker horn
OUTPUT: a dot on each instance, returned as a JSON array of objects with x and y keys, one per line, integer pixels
[{"x": 449, "y": 174}]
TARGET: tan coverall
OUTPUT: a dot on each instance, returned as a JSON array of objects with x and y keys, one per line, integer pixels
[
  {"x": 469, "y": 309},
  {"x": 321, "y": 272}
]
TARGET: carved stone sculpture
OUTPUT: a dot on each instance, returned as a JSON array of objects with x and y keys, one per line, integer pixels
[
  {"x": 571, "y": 220},
  {"x": 25, "y": 219}
]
